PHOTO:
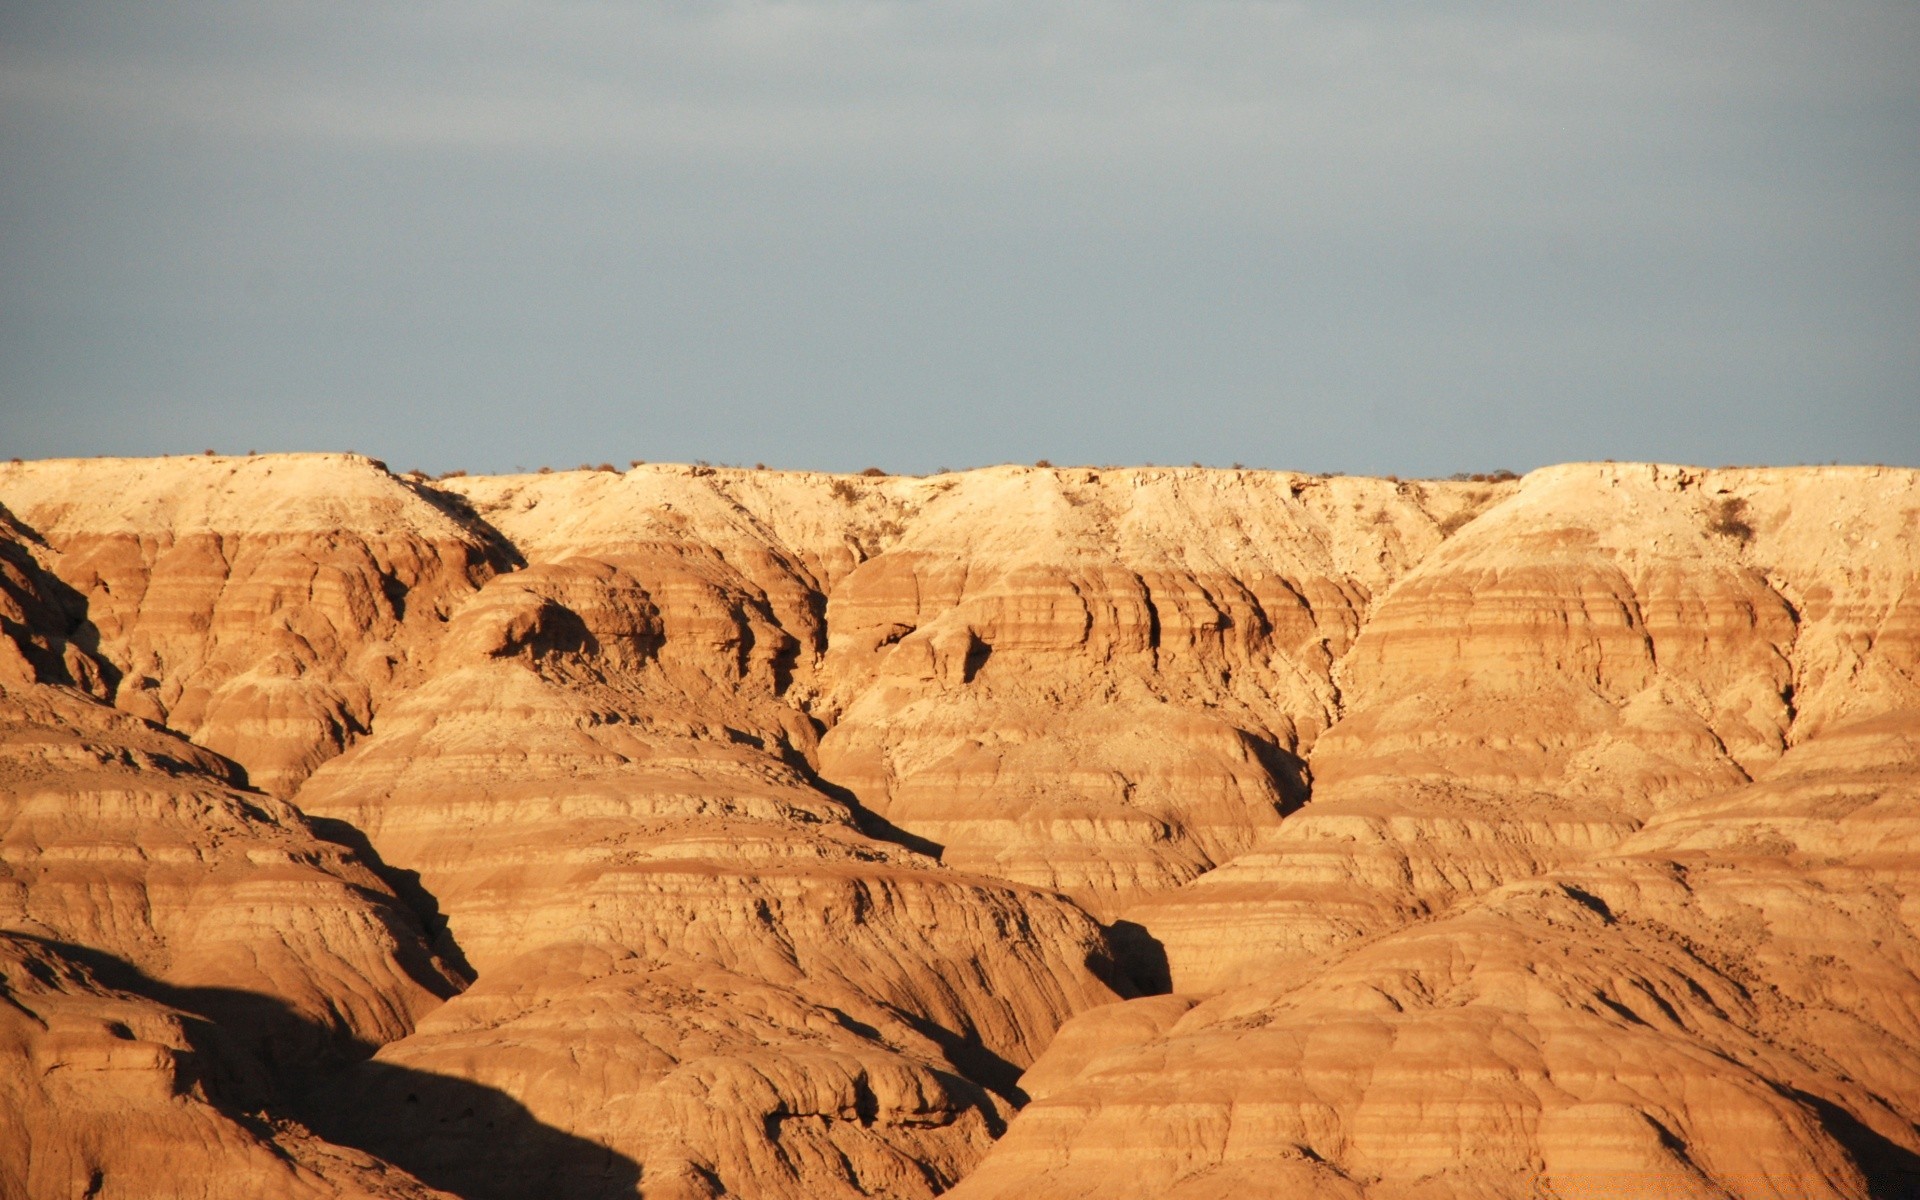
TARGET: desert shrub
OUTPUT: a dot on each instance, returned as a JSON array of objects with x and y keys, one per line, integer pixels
[
  {"x": 1043, "y": 463},
  {"x": 546, "y": 470},
  {"x": 609, "y": 468},
  {"x": 873, "y": 473},
  {"x": 456, "y": 473},
  {"x": 1455, "y": 521},
  {"x": 636, "y": 462},
  {"x": 208, "y": 453},
  {"x": 1729, "y": 519}
]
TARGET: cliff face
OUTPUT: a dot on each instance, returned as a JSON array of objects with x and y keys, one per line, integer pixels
[{"x": 701, "y": 831}]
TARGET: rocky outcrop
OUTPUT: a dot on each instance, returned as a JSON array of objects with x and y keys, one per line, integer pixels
[
  {"x": 1716, "y": 1014},
  {"x": 641, "y": 865},
  {"x": 1599, "y": 646},
  {"x": 259, "y": 605},
  {"x": 1590, "y": 895},
  {"x": 1092, "y": 681},
  {"x": 704, "y": 831},
  {"x": 1101, "y": 681},
  {"x": 656, "y": 916},
  {"x": 174, "y": 944},
  {"x": 109, "y": 1093},
  {"x": 122, "y": 837}
]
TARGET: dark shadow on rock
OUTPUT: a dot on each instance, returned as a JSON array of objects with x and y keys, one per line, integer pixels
[
  {"x": 1141, "y": 956},
  {"x": 865, "y": 819},
  {"x": 880, "y": 829},
  {"x": 1288, "y": 771},
  {"x": 1892, "y": 1170},
  {"x": 1589, "y": 901},
  {"x": 974, "y": 1061},
  {"x": 500, "y": 553},
  {"x": 978, "y": 652},
  {"x": 423, "y": 905},
  {"x": 58, "y": 639},
  {"x": 474, "y": 1141},
  {"x": 245, "y": 1042},
  {"x": 785, "y": 660},
  {"x": 259, "y": 1061}
]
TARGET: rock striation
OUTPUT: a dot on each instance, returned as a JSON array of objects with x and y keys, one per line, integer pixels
[
  {"x": 780, "y": 1002},
  {"x": 690, "y": 831},
  {"x": 1593, "y": 894},
  {"x": 260, "y": 605}
]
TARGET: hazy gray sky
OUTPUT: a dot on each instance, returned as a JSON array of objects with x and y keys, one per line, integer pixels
[{"x": 1368, "y": 236}]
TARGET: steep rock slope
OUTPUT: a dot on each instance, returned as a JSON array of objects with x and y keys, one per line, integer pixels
[
  {"x": 756, "y": 818},
  {"x": 1091, "y": 681},
  {"x": 258, "y": 605},
  {"x": 123, "y": 838},
  {"x": 170, "y": 944},
  {"x": 104, "y": 1093},
  {"x": 1728, "y": 1007},
  {"x": 1475, "y": 965},
  {"x": 687, "y": 952},
  {"x": 1099, "y": 681},
  {"x": 1585, "y": 652}
]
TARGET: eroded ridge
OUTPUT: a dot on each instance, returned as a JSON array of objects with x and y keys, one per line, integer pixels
[{"x": 700, "y": 831}]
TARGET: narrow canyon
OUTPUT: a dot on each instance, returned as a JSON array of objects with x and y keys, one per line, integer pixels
[{"x": 1023, "y": 832}]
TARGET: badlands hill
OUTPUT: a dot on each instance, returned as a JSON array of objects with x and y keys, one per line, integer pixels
[{"x": 693, "y": 832}]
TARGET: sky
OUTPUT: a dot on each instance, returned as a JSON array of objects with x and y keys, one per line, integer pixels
[{"x": 1371, "y": 236}]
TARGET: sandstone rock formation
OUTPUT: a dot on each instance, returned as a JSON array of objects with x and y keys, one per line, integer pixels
[
  {"x": 259, "y": 605},
  {"x": 1593, "y": 894},
  {"x": 109, "y": 1093},
  {"x": 781, "y": 1004},
  {"x": 1026, "y": 832}
]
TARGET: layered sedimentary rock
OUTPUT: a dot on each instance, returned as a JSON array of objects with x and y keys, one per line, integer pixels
[
  {"x": 259, "y": 605},
  {"x": 696, "y": 831},
  {"x": 1727, "y": 1005},
  {"x": 646, "y": 876},
  {"x": 173, "y": 941},
  {"x": 1094, "y": 681},
  {"x": 1584, "y": 653},
  {"x": 106, "y": 1093},
  {"x": 124, "y": 838},
  {"x": 1100, "y": 681},
  {"x": 1477, "y": 964}
]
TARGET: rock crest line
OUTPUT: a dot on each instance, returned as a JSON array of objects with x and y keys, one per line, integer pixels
[{"x": 1018, "y": 832}]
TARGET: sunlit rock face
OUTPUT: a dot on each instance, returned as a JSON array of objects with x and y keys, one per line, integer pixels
[
  {"x": 688, "y": 832},
  {"x": 1605, "y": 883},
  {"x": 261, "y": 606}
]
